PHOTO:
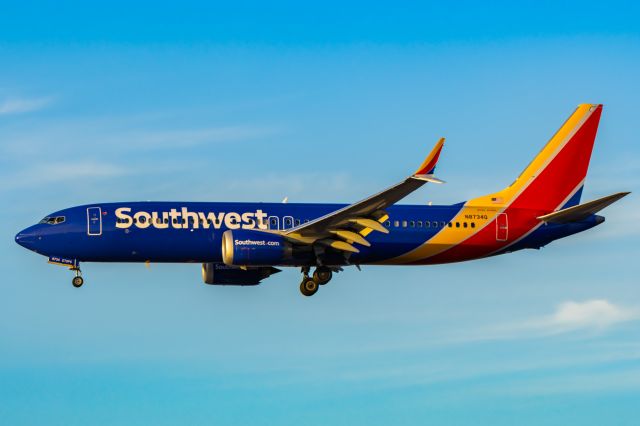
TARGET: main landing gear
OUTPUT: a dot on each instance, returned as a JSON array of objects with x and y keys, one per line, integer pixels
[
  {"x": 321, "y": 276},
  {"x": 77, "y": 281}
]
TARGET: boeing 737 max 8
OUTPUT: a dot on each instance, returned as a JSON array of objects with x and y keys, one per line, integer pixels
[{"x": 243, "y": 243}]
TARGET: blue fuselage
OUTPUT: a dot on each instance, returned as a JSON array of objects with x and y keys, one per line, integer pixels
[{"x": 192, "y": 231}]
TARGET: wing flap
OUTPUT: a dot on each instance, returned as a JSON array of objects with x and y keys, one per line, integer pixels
[
  {"x": 369, "y": 223},
  {"x": 351, "y": 236},
  {"x": 339, "y": 245}
]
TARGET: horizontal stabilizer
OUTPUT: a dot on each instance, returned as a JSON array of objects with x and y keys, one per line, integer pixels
[{"x": 582, "y": 211}]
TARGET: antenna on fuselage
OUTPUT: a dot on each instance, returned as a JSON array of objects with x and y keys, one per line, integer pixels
[{"x": 284, "y": 200}]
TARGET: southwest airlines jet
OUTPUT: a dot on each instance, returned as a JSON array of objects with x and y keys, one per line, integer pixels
[{"x": 243, "y": 243}]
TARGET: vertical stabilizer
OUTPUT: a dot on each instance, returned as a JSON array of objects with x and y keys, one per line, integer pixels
[{"x": 555, "y": 177}]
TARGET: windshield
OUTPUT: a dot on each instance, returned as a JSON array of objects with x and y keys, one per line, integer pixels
[{"x": 53, "y": 220}]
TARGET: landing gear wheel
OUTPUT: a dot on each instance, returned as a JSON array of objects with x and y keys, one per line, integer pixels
[
  {"x": 308, "y": 287},
  {"x": 322, "y": 275},
  {"x": 77, "y": 281}
]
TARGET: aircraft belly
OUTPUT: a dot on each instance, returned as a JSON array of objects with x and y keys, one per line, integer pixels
[{"x": 139, "y": 246}]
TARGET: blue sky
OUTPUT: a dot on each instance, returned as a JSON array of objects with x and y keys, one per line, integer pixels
[{"x": 318, "y": 103}]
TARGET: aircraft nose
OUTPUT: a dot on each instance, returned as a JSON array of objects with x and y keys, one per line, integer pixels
[{"x": 26, "y": 238}]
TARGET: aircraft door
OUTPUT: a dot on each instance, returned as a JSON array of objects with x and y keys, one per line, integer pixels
[
  {"x": 502, "y": 227},
  {"x": 94, "y": 221}
]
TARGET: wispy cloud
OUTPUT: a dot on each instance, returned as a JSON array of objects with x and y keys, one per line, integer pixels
[
  {"x": 22, "y": 105},
  {"x": 591, "y": 315},
  {"x": 57, "y": 173},
  {"x": 295, "y": 186},
  {"x": 182, "y": 138},
  {"x": 88, "y": 169},
  {"x": 110, "y": 135}
]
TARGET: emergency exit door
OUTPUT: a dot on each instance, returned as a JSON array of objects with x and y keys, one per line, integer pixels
[{"x": 502, "y": 227}]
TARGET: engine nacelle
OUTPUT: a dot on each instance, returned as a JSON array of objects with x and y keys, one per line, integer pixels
[
  {"x": 254, "y": 248},
  {"x": 219, "y": 274}
]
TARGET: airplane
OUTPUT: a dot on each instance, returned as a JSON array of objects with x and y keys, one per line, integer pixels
[{"x": 244, "y": 243}]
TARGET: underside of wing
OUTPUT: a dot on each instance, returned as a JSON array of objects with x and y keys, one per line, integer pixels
[{"x": 347, "y": 228}]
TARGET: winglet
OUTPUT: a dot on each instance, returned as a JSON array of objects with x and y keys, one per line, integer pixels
[{"x": 428, "y": 166}]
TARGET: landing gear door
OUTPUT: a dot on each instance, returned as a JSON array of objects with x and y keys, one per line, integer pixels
[
  {"x": 502, "y": 227},
  {"x": 94, "y": 221}
]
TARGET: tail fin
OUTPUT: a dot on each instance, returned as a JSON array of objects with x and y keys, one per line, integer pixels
[{"x": 555, "y": 177}]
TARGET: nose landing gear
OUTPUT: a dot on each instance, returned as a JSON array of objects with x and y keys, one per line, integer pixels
[
  {"x": 77, "y": 281},
  {"x": 321, "y": 276}
]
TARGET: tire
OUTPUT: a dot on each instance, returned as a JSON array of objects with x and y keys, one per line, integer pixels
[
  {"x": 77, "y": 281},
  {"x": 308, "y": 287},
  {"x": 322, "y": 275}
]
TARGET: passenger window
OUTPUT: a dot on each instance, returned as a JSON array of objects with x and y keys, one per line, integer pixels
[
  {"x": 419, "y": 223},
  {"x": 435, "y": 224},
  {"x": 297, "y": 222},
  {"x": 457, "y": 224},
  {"x": 473, "y": 224},
  {"x": 412, "y": 224},
  {"x": 306, "y": 220},
  {"x": 464, "y": 224},
  {"x": 387, "y": 224},
  {"x": 396, "y": 223},
  {"x": 404, "y": 223},
  {"x": 441, "y": 224},
  {"x": 450, "y": 225}
]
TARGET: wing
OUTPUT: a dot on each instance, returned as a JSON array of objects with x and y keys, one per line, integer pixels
[{"x": 350, "y": 225}]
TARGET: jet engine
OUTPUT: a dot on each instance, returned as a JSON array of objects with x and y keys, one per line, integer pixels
[
  {"x": 254, "y": 248},
  {"x": 219, "y": 274}
]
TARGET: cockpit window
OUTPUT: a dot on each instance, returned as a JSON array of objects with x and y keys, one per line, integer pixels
[{"x": 53, "y": 220}]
